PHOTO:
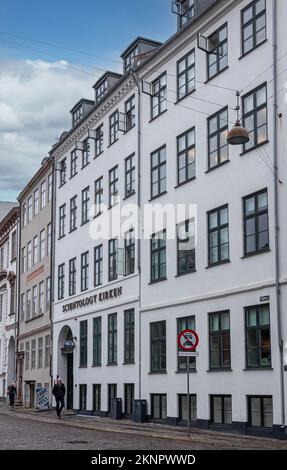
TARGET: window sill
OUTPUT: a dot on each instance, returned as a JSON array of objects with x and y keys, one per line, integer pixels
[
  {"x": 154, "y": 118},
  {"x": 254, "y": 148},
  {"x": 217, "y": 166},
  {"x": 255, "y": 253},
  {"x": 96, "y": 156},
  {"x": 191, "y": 371},
  {"x": 84, "y": 166},
  {"x": 63, "y": 184},
  {"x": 128, "y": 363},
  {"x": 157, "y": 281},
  {"x": 96, "y": 365},
  {"x": 185, "y": 96},
  {"x": 72, "y": 176},
  {"x": 156, "y": 197},
  {"x": 214, "y": 265},
  {"x": 129, "y": 129},
  {"x": 158, "y": 372},
  {"x": 223, "y": 369},
  {"x": 248, "y": 369},
  {"x": 84, "y": 223},
  {"x": 73, "y": 230},
  {"x": 34, "y": 318},
  {"x": 112, "y": 143},
  {"x": 97, "y": 215},
  {"x": 129, "y": 195},
  {"x": 13, "y": 259},
  {"x": 185, "y": 274},
  {"x": 251, "y": 50},
  {"x": 111, "y": 207},
  {"x": 62, "y": 236},
  {"x": 185, "y": 182},
  {"x": 83, "y": 366},
  {"x": 112, "y": 364},
  {"x": 214, "y": 76}
]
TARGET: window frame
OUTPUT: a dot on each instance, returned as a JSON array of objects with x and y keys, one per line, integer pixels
[
  {"x": 217, "y": 52},
  {"x": 185, "y": 74},
  {"x": 83, "y": 355},
  {"x": 130, "y": 176},
  {"x": 157, "y": 346},
  {"x": 85, "y": 205},
  {"x": 158, "y": 251},
  {"x": 157, "y": 168},
  {"x": 114, "y": 127},
  {"x": 157, "y": 94},
  {"x": 220, "y": 130},
  {"x": 72, "y": 276},
  {"x": 85, "y": 271},
  {"x": 258, "y": 329},
  {"x": 256, "y": 214},
  {"x": 254, "y": 114},
  {"x": 98, "y": 265},
  {"x": 252, "y": 22},
  {"x": 219, "y": 333},
  {"x": 129, "y": 336},
  {"x": 112, "y": 342},
  {"x": 219, "y": 227}
]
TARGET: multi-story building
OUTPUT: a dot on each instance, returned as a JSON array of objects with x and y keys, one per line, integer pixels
[
  {"x": 157, "y": 136},
  {"x": 9, "y": 233},
  {"x": 34, "y": 306}
]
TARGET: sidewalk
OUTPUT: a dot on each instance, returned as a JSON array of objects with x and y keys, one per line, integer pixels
[{"x": 153, "y": 430}]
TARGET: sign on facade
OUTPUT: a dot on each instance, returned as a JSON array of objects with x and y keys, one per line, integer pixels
[{"x": 42, "y": 398}]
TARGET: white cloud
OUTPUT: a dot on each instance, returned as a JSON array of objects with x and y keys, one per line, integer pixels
[{"x": 35, "y": 100}]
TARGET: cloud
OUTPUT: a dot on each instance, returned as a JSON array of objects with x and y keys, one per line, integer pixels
[{"x": 35, "y": 100}]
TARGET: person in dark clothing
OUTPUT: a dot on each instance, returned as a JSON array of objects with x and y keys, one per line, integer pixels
[
  {"x": 11, "y": 394},
  {"x": 59, "y": 392}
]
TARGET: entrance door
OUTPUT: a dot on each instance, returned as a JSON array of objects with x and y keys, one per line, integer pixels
[
  {"x": 70, "y": 381},
  {"x": 32, "y": 396}
]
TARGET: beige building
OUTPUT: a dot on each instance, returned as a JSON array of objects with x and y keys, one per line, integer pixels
[{"x": 34, "y": 305}]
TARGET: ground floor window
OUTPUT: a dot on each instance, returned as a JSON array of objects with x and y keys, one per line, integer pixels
[
  {"x": 158, "y": 406},
  {"x": 83, "y": 397},
  {"x": 97, "y": 397},
  {"x": 260, "y": 411},
  {"x": 221, "y": 409},
  {"x": 183, "y": 408},
  {"x": 112, "y": 393},
  {"x": 129, "y": 399}
]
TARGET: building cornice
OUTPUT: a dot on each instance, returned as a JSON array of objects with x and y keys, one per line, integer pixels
[{"x": 45, "y": 167}]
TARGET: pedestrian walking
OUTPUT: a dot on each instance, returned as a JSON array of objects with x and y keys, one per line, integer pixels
[
  {"x": 59, "y": 392},
  {"x": 11, "y": 392}
]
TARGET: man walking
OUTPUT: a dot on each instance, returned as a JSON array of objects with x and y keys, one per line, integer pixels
[{"x": 59, "y": 394}]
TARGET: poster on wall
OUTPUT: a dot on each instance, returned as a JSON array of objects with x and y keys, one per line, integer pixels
[{"x": 42, "y": 398}]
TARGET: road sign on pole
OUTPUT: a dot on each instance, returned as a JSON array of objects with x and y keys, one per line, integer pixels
[{"x": 187, "y": 342}]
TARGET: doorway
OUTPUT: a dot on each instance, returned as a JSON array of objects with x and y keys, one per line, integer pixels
[{"x": 70, "y": 380}]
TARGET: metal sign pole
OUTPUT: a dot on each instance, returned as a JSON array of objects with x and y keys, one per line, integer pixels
[{"x": 188, "y": 400}]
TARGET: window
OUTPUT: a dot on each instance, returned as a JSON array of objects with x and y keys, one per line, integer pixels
[
  {"x": 48, "y": 293},
  {"x": 113, "y": 186},
  {"x": 40, "y": 353},
  {"x": 85, "y": 153},
  {"x": 97, "y": 341},
  {"x": 129, "y": 394},
  {"x": 185, "y": 323},
  {"x": 41, "y": 297},
  {"x": 33, "y": 354},
  {"x": 158, "y": 347},
  {"x": 2, "y": 258},
  {"x": 217, "y": 59},
  {"x": 42, "y": 244},
  {"x": 186, "y": 75},
  {"x": 85, "y": 205},
  {"x": 130, "y": 252},
  {"x": 49, "y": 238},
  {"x": 63, "y": 172},
  {"x": 43, "y": 194},
  {"x": 255, "y": 117},
  {"x": 260, "y": 411},
  {"x": 14, "y": 246},
  {"x": 217, "y": 139},
  {"x": 24, "y": 215},
  {"x": 221, "y": 409},
  {"x": 159, "y": 96},
  {"x": 28, "y": 302},
  {"x": 219, "y": 340},
  {"x": 101, "y": 90},
  {"x": 158, "y": 172},
  {"x": 74, "y": 164},
  {"x": 72, "y": 276},
  {"x": 112, "y": 393},
  {"x": 35, "y": 250},
  {"x": 130, "y": 113},
  {"x": 188, "y": 11},
  {"x": 47, "y": 350},
  {"x": 30, "y": 209},
  {"x": 12, "y": 298},
  {"x": 183, "y": 408},
  {"x": 85, "y": 271},
  {"x": 98, "y": 265},
  {"x": 129, "y": 60},
  {"x": 27, "y": 355},
  {"x": 1, "y": 306},
  {"x": 186, "y": 247},
  {"x": 256, "y": 231},
  {"x": 129, "y": 336},
  {"x": 158, "y": 256},
  {"x": 23, "y": 260},
  {"x": 34, "y": 300},
  {"x": 112, "y": 338},
  {"x": 253, "y": 25},
  {"x": 61, "y": 281},
  {"x": 114, "y": 127},
  {"x": 113, "y": 260},
  {"x": 83, "y": 343},
  {"x": 73, "y": 213},
  {"x": 77, "y": 115},
  {"x": 99, "y": 196},
  {"x": 218, "y": 236},
  {"x": 258, "y": 338},
  {"x": 62, "y": 221},
  {"x": 158, "y": 406},
  {"x": 99, "y": 140},
  {"x": 130, "y": 176},
  {"x": 22, "y": 308},
  {"x": 83, "y": 397},
  {"x": 97, "y": 398},
  {"x": 36, "y": 201},
  {"x": 186, "y": 163},
  {"x": 50, "y": 186},
  {"x": 29, "y": 255}
]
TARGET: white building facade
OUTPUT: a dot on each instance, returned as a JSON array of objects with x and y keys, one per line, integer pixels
[{"x": 223, "y": 273}]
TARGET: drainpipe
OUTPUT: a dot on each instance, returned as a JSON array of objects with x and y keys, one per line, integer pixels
[
  {"x": 276, "y": 214},
  {"x": 52, "y": 266},
  {"x": 18, "y": 310},
  {"x": 136, "y": 80}
]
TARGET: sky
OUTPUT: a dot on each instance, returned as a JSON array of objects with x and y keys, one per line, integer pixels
[{"x": 51, "y": 54}]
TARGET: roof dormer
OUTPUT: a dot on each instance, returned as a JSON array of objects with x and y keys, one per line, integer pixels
[
  {"x": 80, "y": 110},
  {"x": 104, "y": 84},
  {"x": 137, "y": 52}
]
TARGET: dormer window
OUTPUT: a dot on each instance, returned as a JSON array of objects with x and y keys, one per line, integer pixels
[
  {"x": 184, "y": 9},
  {"x": 137, "y": 52},
  {"x": 129, "y": 60},
  {"x": 77, "y": 115},
  {"x": 101, "y": 90}
]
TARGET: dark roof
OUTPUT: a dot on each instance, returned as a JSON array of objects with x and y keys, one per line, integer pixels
[
  {"x": 136, "y": 41},
  {"x": 108, "y": 73},
  {"x": 81, "y": 101}
]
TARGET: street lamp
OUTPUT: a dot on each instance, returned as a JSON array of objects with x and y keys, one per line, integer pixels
[{"x": 238, "y": 135}]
